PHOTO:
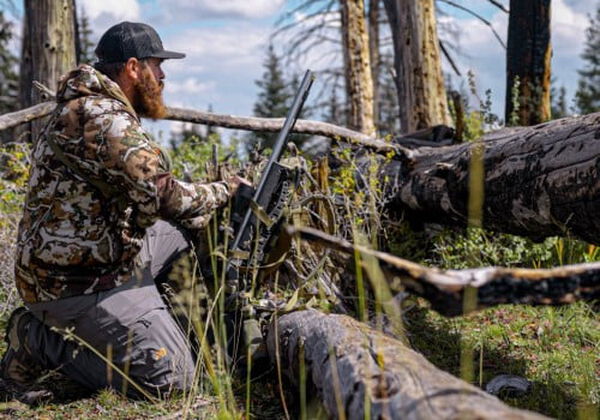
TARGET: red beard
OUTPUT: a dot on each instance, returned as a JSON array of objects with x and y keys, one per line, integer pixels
[{"x": 148, "y": 101}]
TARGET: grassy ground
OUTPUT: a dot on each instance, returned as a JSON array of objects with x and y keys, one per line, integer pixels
[{"x": 557, "y": 349}]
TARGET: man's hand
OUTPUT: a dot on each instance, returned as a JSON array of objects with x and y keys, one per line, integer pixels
[{"x": 234, "y": 183}]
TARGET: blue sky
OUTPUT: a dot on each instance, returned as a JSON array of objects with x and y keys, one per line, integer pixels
[
  {"x": 225, "y": 42},
  {"x": 483, "y": 54}
]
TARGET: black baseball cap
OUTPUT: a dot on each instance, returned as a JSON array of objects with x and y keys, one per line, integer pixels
[{"x": 130, "y": 39}]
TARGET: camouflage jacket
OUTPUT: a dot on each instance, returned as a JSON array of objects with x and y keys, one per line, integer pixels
[{"x": 74, "y": 238}]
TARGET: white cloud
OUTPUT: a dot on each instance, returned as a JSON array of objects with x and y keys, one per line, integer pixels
[
  {"x": 487, "y": 59},
  {"x": 188, "y": 86},
  {"x": 186, "y": 10},
  {"x": 583, "y": 7},
  {"x": 219, "y": 70},
  {"x": 568, "y": 28},
  {"x": 482, "y": 54},
  {"x": 227, "y": 46},
  {"x": 103, "y": 14}
]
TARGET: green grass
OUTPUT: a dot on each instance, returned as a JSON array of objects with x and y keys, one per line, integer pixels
[{"x": 558, "y": 349}]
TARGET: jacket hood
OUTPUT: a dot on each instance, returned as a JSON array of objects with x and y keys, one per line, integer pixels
[{"x": 87, "y": 81}]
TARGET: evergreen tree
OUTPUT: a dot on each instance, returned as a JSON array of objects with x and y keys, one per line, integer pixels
[
  {"x": 335, "y": 111},
  {"x": 274, "y": 100},
  {"x": 210, "y": 129},
  {"x": 559, "y": 102},
  {"x": 9, "y": 79},
  {"x": 85, "y": 53},
  {"x": 587, "y": 97}
]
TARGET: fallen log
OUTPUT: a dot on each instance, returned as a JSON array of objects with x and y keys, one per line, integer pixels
[
  {"x": 361, "y": 373},
  {"x": 538, "y": 181},
  {"x": 13, "y": 119},
  {"x": 317, "y": 128},
  {"x": 445, "y": 289}
]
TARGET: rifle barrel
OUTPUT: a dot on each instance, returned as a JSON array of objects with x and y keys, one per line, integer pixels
[{"x": 288, "y": 125}]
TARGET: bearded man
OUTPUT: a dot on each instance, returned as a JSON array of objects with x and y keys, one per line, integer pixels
[{"x": 90, "y": 244}]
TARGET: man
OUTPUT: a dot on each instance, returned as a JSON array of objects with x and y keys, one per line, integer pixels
[{"x": 89, "y": 244}]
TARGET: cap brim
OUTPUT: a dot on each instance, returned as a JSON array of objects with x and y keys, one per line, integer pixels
[{"x": 168, "y": 54}]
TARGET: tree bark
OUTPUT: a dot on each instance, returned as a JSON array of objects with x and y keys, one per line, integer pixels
[
  {"x": 528, "y": 56},
  {"x": 316, "y": 128},
  {"x": 446, "y": 289},
  {"x": 537, "y": 181},
  {"x": 359, "y": 84},
  {"x": 374, "y": 55},
  {"x": 48, "y": 49},
  {"x": 419, "y": 79},
  {"x": 361, "y": 373}
]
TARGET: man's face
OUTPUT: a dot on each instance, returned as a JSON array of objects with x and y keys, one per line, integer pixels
[{"x": 147, "y": 100}]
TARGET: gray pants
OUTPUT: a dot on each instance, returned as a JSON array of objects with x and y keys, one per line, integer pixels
[{"x": 129, "y": 325}]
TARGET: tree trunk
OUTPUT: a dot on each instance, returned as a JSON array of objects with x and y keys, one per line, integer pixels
[
  {"x": 528, "y": 57},
  {"x": 359, "y": 84},
  {"x": 538, "y": 181},
  {"x": 446, "y": 290},
  {"x": 419, "y": 79},
  {"x": 374, "y": 55},
  {"x": 48, "y": 49},
  {"x": 361, "y": 373}
]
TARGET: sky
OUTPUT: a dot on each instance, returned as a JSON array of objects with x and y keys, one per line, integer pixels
[
  {"x": 484, "y": 55},
  {"x": 226, "y": 41}
]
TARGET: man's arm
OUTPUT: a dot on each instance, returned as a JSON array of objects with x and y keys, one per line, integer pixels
[{"x": 130, "y": 159}]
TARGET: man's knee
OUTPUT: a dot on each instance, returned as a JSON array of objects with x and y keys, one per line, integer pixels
[{"x": 162, "y": 358}]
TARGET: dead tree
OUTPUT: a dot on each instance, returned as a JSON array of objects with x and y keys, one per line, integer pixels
[
  {"x": 446, "y": 289},
  {"x": 538, "y": 181},
  {"x": 528, "y": 58},
  {"x": 361, "y": 373},
  {"x": 374, "y": 54},
  {"x": 357, "y": 67},
  {"x": 419, "y": 80},
  {"x": 48, "y": 49}
]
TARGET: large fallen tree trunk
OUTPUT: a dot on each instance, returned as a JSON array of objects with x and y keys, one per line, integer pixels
[
  {"x": 361, "y": 373},
  {"x": 445, "y": 289},
  {"x": 538, "y": 181}
]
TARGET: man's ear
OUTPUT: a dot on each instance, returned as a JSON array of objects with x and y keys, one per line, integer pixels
[{"x": 132, "y": 67}]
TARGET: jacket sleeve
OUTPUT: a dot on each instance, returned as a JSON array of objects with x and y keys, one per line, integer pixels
[{"x": 129, "y": 158}]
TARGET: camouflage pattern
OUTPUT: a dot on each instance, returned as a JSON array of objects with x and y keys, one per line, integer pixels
[{"x": 75, "y": 239}]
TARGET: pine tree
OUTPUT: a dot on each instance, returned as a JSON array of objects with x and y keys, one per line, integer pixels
[
  {"x": 587, "y": 97},
  {"x": 335, "y": 111},
  {"x": 274, "y": 100},
  {"x": 558, "y": 97},
  {"x": 9, "y": 79},
  {"x": 210, "y": 129},
  {"x": 85, "y": 53}
]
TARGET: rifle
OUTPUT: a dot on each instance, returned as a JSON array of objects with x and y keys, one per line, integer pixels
[
  {"x": 269, "y": 197},
  {"x": 257, "y": 217}
]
